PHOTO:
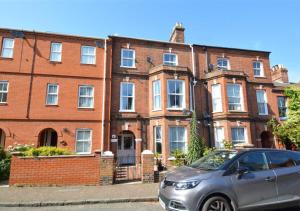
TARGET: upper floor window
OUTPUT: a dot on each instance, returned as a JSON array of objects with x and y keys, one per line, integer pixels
[
  {"x": 157, "y": 139},
  {"x": 234, "y": 97},
  {"x": 170, "y": 59},
  {"x": 127, "y": 97},
  {"x": 127, "y": 58},
  {"x": 156, "y": 95},
  {"x": 7, "y": 48},
  {"x": 83, "y": 141},
  {"x": 223, "y": 64},
  {"x": 177, "y": 138},
  {"x": 282, "y": 107},
  {"x": 88, "y": 55},
  {"x": 3, "y": 91},
  {"x": 176, "y": 95},
  {"x": 86, "y": 97},
  {"x": 55, "y": 54},
  {"x": 52, "y": 94},
  {"x": 216, "y": 97},
  {"x": 238, "y": 135},
  {"x": 258, "y": 69},
  {"x": 262, "y": 102}
]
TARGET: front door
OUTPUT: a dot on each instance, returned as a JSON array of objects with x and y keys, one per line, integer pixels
[{"x": 126, "y": 150}]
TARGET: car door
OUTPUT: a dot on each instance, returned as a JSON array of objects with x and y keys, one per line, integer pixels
[
  {"x": 257, "y": 186},
  {"x": 288, "y": 174}
]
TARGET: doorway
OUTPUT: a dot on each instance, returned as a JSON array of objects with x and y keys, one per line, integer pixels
[
  {"x": 2, "y": 138},
  {"x": 48, "y": 137},
  {"x": 126, "y": 148},
  {"x": 267, "y": 140}
]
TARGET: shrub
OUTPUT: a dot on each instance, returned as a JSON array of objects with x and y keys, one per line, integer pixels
[
  {"x": 20, "y": 148},
  {"x": 46, "y": 151},
  {"x": 5, "y": 159},
  {"x": 179, "y": 158}
]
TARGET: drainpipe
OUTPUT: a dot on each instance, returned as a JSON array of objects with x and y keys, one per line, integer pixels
[
  {"x": 103, "y": 96},
  {"x": 194, "y": 76}
]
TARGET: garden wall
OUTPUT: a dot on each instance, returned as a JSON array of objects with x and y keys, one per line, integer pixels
[{"x": 55, "y": 170}]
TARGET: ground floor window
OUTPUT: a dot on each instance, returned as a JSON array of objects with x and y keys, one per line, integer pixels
[
  {"x": 83, "y": 141},
  {"x": 219, "y": 137},
  {"x": 177, "y": 138},
  {"x": 157, "y": 139},
  {"x": 238, "y": 135}
]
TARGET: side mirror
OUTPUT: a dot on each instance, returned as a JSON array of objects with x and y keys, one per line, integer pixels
[{"x": 242, "y": 170}]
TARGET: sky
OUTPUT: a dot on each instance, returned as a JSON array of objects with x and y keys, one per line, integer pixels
[{"x": 270, "y": 25}]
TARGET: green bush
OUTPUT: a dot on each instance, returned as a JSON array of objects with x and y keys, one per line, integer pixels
[
  {"x": 179, "y": 158},
  {"x": 46, "y": 151},
  {"x": 5, "y": 159}
]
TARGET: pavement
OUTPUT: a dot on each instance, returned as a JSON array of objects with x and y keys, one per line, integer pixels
[{"x": 77, "y": 195}]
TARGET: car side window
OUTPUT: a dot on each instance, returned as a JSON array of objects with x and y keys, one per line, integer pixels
[
  {"x": 254, "y": 161},
  {"x": 296, "y": 157},
  {"x": 281, "y": 159}
]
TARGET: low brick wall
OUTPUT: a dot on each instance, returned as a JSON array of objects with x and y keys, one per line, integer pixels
[{"x": 56, "y": 170}]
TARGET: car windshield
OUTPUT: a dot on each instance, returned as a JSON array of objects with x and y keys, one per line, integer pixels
[{"x": 213, "y": 160}]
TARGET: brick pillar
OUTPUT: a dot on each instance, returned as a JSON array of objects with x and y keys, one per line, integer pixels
[
  {"x": 107, "y": 168},
  {"x": 138, "y": 150},
  {"x": 147, "y": 166}
]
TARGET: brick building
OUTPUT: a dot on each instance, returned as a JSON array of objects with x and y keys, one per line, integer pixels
[{"x": 128, "y": 94}]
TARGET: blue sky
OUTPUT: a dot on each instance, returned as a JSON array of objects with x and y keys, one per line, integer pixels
[{"x": 272, "y": 25}]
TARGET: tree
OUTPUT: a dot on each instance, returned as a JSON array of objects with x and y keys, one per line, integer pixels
[
  {"x": 196, "y": 144},
  {"x": 289, "y": 129}
]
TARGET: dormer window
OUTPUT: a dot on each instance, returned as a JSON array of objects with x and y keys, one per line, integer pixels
[
  {"x": 258, "y": 69},
  {"x": 170, "y": 59},
  {"x": 223, "y": 64},
  {"x": 127, "y": 58}
]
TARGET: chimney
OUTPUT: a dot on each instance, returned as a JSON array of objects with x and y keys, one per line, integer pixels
[
  {"x": 280, "y": 74},
  {"x": 177, "y": 33}
]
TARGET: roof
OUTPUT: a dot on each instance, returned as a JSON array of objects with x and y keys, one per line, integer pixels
[{"x": 230, "y": 48}]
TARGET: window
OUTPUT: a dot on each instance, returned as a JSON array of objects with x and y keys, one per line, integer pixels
[
  {"x": 262, "y": 102},
  {"x": 7, "y": 48},
  {"x": 176, "y": 94},
  {"x": 238, "y": 135},
  {"x": 83, "y": 141},
  {"x": 88, "y": 55},
  {"x": 52, "y": 94},
  {"x": 55, "y": 54},
  {"x": 170, "y": 59},
  {"x": 127, "y": 96},
  {"x": 258, "y": 68},
  {"x": 282, "y": 107},
  {"x": 219, "y": 137},
  {"x": 281, "y": 159},
  {"x": 223, "y": 64},
  {"x": 254, "y": 161},
  {"x": 127, "y": 58},
  {"x": 234, "y": 97},
  {"x": 157, "y": 139},
  {"x": 156, "y": 95},
  {"x": 177, "y": 138},
  {"x": 216, "y": 98},
  {"x": 86, "y": 97},
  {"x": 3, "y": 91}
]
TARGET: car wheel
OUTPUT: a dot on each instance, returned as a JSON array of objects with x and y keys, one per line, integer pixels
[{"x": 216, "y": 203}]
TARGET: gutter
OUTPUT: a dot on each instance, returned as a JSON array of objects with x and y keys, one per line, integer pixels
[
  {"x": 194, "y": 76},
  {"x": 103, "y": 96}
]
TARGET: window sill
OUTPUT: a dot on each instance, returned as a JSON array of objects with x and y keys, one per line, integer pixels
[
  {"x": 133, "y": 67},
  {"x": 55, "y": 62},
  {"x": 6, "y": 58},
  {"x": 234, "y": 111},
  {"x": 3, "y": 104},
  {"x": 127, "y": 111},
  {"x": 83, "y": 153},
  {"x": 86, "y": 108},
  {"x": 263, "y": 114},
  {"x": 48, "y": 105},
  {"x": 216, "y": 112},
  {"x": 257, "y": 76},
  {"x": 154, "y": 110},
  {"x": 175, "y": 109},
  {"x": 84, "y": 64},
  {"x": 283, "y": 118}
]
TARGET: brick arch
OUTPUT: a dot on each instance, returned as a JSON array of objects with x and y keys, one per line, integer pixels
[
  {"x": 6, "y": 131},
  {"x": 40, "y": 129}
]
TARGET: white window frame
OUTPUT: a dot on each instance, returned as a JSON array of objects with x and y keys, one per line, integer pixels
[
  {"x": 184, "y": 141},
  {"x": 171, "y": 63},
  {"x": 157, "y": 140},
  {"x": 241, "y": 97},
  {"x": 52, "y": 51},
  {"x": 218, "y": 144},
  {"x": 86, "y": 96},
  {"x": 121, "y": 97},
  {"x": 53, "y": 94},
  {"x": 3, "y": 92},
  {"x": 223, "y": 67},
  {"x": 261, "y": 69},
  {"x": 88, "y": 55},
  {"x": 156, "y": 95},
  {"x": 240, "y": 141},
  {"x": 128, "y": 58},
  {"x": 217, "y": 99},
  {"x": 265, "y": 102},
  {"x": 183, "y": 95},
  {"x": 90, "y": 139},
  {"x": 7, "y": 48},
  {"x": 280, "y": 107}
]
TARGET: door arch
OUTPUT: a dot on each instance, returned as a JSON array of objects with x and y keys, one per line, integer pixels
[
  {"x": 267, "y": 140},
  {"x": 48, "y": 137},
  {"x": 126, "y": 148},
  {"x": 2, "y": 138}
]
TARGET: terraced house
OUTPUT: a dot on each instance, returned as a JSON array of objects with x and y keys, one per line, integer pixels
[{"x": 129, "y": 94}]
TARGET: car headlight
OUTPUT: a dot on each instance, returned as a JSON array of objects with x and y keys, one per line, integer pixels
[{"x": 186, "y": 185}]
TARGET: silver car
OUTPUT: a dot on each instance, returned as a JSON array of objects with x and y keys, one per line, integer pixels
[{"x": 230, "y": 180}]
